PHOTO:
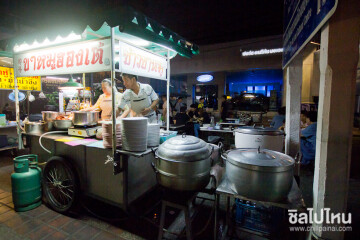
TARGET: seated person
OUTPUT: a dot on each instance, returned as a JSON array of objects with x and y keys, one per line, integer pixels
[
  {"x": 303, "y": 119},
  {"x": 181, "y": 118},
  {"x": 202, "y": 116},
  {"x": 308, "y": 138},
  {"x": 192, "y": 111},
  {"x": 278, "y": 120}
]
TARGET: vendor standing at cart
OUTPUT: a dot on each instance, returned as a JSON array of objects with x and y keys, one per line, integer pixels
[
  {"x": 103, "y": 104},
  {"x": 141, "y": 98}
]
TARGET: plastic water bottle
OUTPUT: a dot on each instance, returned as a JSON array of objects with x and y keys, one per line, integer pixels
[
  {"x": 2, "y": 120},
  {"x": 212, "y": 122}
]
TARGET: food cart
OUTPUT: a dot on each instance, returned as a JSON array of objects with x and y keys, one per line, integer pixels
[{"x": 126, "y": 42}]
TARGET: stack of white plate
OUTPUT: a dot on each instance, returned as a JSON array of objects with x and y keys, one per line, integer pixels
[
  {"x": 153, "y": 138},
  {"x": 134, "y": 134},
  {"x": 107, "y": 134}
]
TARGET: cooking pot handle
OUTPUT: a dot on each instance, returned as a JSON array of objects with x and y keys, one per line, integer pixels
[
  {"x": 153, "y": 166},
  {"x": 153, "y": 150},
  {"x": 212, "y": 160},
  {"x": 212, "y": 149},
  {"x": 220, "y": 145},
  {"x": 224, "y": 155}
]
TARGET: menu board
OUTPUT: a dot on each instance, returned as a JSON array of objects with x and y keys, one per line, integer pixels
[{"x": 24, "y": 83}]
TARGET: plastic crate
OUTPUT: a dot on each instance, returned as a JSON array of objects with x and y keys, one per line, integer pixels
[
  {"x": 266, "y": 220},
  {"x": 164, "y": 135}
]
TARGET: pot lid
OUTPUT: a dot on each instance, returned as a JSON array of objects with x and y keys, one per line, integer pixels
[
  {"x": 184, "y": 148},
  {"x": 261, "y": 159},
  {"x": 259, "y": 131}
]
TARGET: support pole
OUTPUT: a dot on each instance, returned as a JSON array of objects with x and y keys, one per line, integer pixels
[
  {"x": 92, "y": 88},
  {"x": 168, "y": 92},
  {"x": 113, "y": 85},
  {"x": 83, "y": 78},
  {"x": 293, "y": 106},
  {"x": 17, "y": 110},
  {"x": 339, "y": 55}
]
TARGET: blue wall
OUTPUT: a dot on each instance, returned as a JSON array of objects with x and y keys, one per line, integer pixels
[{"x": 256, "y": 80}]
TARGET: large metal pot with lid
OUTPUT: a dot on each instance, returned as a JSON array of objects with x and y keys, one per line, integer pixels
[
  {"x": 254, "y": 137},
  {"x": 183, "y": 163},
  {"x": 262, "y": 175}
]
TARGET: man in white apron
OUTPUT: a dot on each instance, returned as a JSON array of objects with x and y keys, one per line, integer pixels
[{"x": 141, "y": 98}]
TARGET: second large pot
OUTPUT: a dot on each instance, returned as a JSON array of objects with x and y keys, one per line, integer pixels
[
  {"x": 262, "y": 175},
  {"x": 183, "y": 163},
  {"x": 254, "y": 137},
  {"x": 82, "y": 118}
]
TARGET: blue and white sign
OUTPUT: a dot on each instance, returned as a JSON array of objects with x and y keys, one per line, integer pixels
[
  {"x": 205, "y": 78},
  {"x": 302, "y": 20}
]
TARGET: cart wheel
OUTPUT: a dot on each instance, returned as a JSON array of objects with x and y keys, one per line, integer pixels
[{"x": 60, "y": 184}]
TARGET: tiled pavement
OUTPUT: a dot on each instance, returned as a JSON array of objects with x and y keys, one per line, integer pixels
[{"x": 44, "y": 223}]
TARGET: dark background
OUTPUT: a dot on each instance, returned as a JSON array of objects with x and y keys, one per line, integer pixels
[{"x": 200, "y": 21}]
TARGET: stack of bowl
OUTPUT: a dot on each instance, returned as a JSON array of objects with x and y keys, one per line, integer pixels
[
  {"x": 153, "y": 138},
  {"x": 107, "y": 134}
]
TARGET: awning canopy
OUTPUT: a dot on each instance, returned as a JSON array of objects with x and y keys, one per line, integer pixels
[
  {"x": 6, "y": 54},
  {"x": 131, "y": 26},
  {"x": 6, "y": 59}
]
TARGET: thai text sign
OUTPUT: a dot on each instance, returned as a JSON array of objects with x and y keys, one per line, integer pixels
[
  {"x": 302, "y": 20},
  {"x": 24, "y": 83},
  {"x": 142, "y": 63},
  {"x": 82, "y": 57}
]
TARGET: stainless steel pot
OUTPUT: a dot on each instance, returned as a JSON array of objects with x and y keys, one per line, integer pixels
[
  {"x": 35, "y": 127},
  {"x": 82, "y": 118},
  {"x": 183, "y": 163},
  {"x": 62, "y": 124},
  {"x": 263, "y": 175},
  {"x": 49, "y": 117},
  {"x": 254, "y": 137}
]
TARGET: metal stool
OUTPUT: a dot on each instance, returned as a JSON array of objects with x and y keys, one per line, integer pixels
[
  {"x": 182, "y": 201},
  {"x": 182, "y": 206}
]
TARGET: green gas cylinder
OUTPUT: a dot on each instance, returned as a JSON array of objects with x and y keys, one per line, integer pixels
[{"x": 26, "y": 183}]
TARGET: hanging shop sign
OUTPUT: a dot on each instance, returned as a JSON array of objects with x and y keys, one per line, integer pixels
[
  {"x": 302, "y": 20},
  {"x": 24, "y": 83},
  {"x": 82, "y": 57},
  {"x": 261, "y": 52},
  {"x": 140, "y": 62},
  {"x": 205, "y": 78}
]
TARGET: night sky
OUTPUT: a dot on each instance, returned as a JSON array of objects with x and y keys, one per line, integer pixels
[{"x": 202, "y": 21}]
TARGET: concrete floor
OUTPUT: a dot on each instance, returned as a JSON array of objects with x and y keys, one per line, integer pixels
[
  {"x": 306, "y": 184},
  {"x": 44, "y": 223}
]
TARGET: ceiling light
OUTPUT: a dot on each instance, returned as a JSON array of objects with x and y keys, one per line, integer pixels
[
  {"x": 71, "y": 85},
  {"x": 70, "y": 38}
]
